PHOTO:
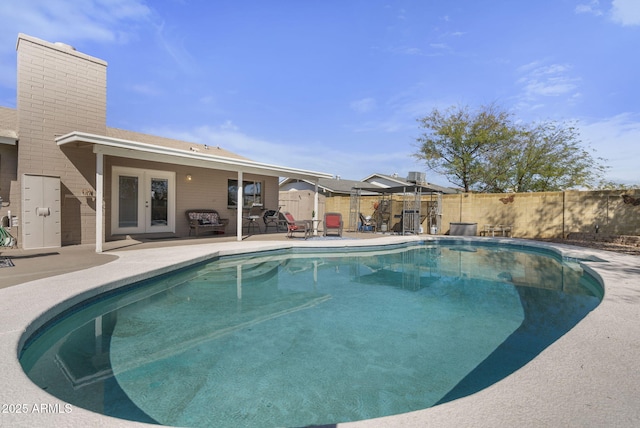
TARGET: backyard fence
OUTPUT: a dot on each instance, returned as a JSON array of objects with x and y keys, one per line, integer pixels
[{"x": 528, "y": 215}]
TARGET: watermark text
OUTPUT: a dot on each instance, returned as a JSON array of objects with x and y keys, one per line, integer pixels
[{"x": 28, "y": 409}]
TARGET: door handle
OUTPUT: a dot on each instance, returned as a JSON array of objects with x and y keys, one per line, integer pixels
[{"x": 43, "y": 212}]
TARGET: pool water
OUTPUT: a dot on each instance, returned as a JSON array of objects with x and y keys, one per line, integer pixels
[{"x": 299, "y": 338}]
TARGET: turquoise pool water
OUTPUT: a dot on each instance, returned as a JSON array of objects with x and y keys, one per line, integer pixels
[{"x": 300, "y": 338}]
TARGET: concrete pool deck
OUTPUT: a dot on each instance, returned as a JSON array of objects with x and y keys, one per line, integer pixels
[{"x": 588, "y": 377}]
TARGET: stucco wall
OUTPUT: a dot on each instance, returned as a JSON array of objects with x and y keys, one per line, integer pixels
[
  {"x": 549, "y": 214},
  {"x": 529, "y": 214},
  {"x": 532, "y": 215}
]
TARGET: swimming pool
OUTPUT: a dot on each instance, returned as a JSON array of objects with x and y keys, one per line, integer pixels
[{"x": 364, "y": 329}]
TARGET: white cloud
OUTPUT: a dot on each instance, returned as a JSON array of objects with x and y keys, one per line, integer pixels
[
  {"x": 439, "y": 46},
  {"x": 229, "y": 126},
  {"x": 145, "y": 89},
  {"x": 105, "y": 21},
  {"x": 551, "y": 87},
  {"x": 543, "y": 81},
  {"x": 626, "y": 12},
  {"x": 592, "y": 7},
  {"x": 405, "y": 50},
  {"x": 616, "y": 139},
  {"x": 353, "y": 164},
  {"x": 364, "y": 105},
  {"x": 172, "y": 44},
  {"x": 61, "y": 20},
  {"x": 230, "y": 137},
  {"x": 623, "y": 12}
]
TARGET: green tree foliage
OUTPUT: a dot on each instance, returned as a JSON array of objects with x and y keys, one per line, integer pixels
[
  {"x": 460, "y": 144},
  {"x": 486, "y": 151}
]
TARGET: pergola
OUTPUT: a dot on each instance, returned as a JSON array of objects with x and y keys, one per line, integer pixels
[{"x": 411, "y": 216}]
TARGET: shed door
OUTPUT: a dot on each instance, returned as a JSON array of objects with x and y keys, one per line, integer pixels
[{"x": 40, "y": 212}]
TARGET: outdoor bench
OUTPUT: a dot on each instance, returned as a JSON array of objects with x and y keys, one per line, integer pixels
[
  {"x": 503, "y": 229},
  {"x": 201, "y": 220}
]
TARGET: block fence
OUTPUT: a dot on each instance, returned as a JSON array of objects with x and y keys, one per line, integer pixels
[{"x": 531, "y": 215}]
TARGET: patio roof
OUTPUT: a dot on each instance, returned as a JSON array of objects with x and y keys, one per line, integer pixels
[{"x": 194, "y": 157}]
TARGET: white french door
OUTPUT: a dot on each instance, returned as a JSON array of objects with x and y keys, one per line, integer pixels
[{"x": 142, "y": 200}]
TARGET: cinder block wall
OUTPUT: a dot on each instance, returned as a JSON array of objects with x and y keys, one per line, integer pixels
[
  {"x": 532, "y": 215},
  {"x": 548, "y": 214},
  {"x": 60, "y": 90}
]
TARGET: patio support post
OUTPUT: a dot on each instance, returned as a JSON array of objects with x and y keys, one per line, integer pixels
[
  {"x": 239, "y": 207},
  {"x": 315, "y": 210},
  {"x": 99, "y": 201}
]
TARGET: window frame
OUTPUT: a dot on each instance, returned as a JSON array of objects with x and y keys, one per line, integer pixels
[{"x": 249, "y": 198}]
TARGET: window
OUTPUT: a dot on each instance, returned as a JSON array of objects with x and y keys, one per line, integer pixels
[{"x": 251, "y": 193}]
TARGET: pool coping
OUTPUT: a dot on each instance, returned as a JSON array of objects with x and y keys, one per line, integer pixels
[{"x": 589, "y": 376}]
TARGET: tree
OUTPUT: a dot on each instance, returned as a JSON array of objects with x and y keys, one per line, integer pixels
[
  {"x": 486, "y": 152},
  {"x": 461, "y": 144},
  {"x": 549, "y": 157}
]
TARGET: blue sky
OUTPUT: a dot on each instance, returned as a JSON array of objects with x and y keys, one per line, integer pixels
[{"x": 337, "y": 85}]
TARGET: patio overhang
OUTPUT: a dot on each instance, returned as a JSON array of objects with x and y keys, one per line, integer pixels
[
  {"x": 143, "y": 151},
  {"x": 103, "y": 145}
]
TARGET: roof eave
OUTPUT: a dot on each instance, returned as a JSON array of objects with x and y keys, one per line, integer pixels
[{"x": 144, "y": 151}]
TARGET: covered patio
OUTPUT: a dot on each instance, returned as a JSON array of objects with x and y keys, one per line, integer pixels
[{"x": 198, "y": 156}]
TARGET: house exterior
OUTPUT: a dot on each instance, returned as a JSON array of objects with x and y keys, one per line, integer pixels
[
  {"x": 326, "y": 186},
  {"x": 391, "y": 181},
  {"x": 67, "y": 178},
  {"x": 337, "y": 186}
]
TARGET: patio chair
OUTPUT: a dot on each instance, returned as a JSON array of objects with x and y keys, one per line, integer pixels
[
  {"x": 273, "y": 218},
  {"x": 367, "y": 225},
  {"x": 293, "y": 226},
  {"x": 333, "y": 223},
  {"x": 252, "y": 218}
]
